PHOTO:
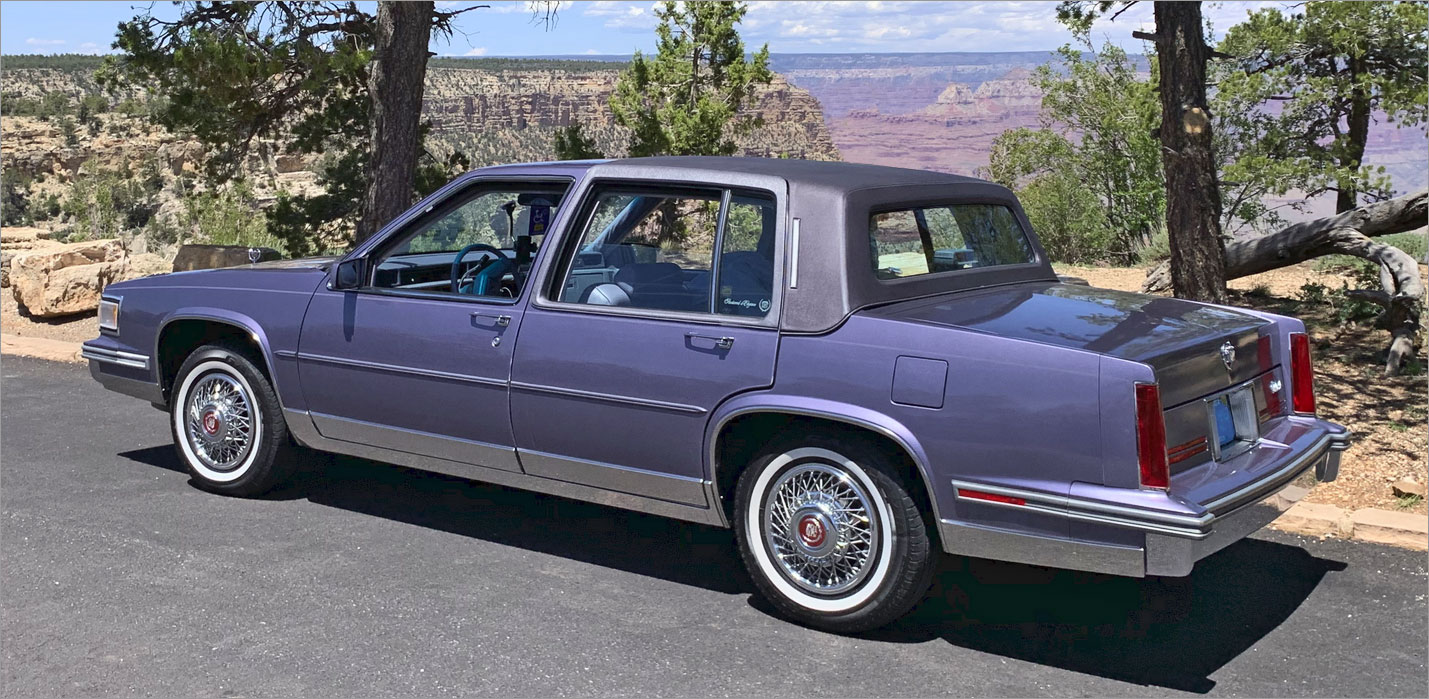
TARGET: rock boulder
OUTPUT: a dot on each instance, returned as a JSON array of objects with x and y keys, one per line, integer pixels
[
  {"x": 191, "y": 257},
  {"x": 66, "y": 279}
]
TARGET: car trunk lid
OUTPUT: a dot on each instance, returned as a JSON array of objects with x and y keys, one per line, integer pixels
[{"x": 1195, "y": 349}]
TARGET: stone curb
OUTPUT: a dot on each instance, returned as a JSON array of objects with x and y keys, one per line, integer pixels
[
  {"x": 40, "y": 348},
  {"x": 1378, "y": 526},
  {"x": 1307, "y": 518}
]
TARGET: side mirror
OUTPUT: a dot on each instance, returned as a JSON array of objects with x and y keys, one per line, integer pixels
[{"x": 349, "y": 274}]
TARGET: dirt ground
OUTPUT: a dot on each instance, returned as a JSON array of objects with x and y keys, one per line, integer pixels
[
  {"x": 1387, "y": 414},
  {"x": 75, "y": 328}
]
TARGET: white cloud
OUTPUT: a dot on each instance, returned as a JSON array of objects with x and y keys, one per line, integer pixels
[
  {"x": 790, "y": 27},
  {"x": 478, "y": 51},
  {"x": 32, "y": 41},
  {"x": 622, "y": 16},
  {"x": 91, "y": 47},
  {"x": 591, "y": 52}
]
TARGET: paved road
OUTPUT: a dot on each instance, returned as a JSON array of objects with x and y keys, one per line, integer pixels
[{"x": 364, "y": 579}]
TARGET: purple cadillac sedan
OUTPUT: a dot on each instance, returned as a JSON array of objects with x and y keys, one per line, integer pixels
[{"x": 855, "y": 367}]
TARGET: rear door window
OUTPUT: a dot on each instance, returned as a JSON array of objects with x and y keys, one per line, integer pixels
[
  {"x": 657, "y": 250},
  {"x": 936, "y": 239}
]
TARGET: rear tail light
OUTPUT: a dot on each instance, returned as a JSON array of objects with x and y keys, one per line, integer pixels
[
  {"x": 1302, "y": 375},
  {"x": 1151, "y": 438}
]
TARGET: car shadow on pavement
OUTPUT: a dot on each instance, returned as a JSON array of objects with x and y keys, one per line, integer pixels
[
  {"x": 1164, "y": 632},
  {"x": 660, "y": 547}
]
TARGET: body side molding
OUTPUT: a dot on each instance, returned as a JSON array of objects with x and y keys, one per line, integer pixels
[{"x": 300, "y": 424}]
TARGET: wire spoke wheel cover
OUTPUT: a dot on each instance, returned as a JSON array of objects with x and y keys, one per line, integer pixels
[
  {"x": 819, "y": 527},
  {"x": 219, "y": 421}
]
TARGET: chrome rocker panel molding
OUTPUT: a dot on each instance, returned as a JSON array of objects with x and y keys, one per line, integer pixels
[
  {"x": 414, "y": 442},
  {"x": 303, "y": 429}
]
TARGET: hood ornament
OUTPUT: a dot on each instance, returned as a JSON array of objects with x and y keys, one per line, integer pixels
[
  {"x": 254, "y": 255},
  {"x": 1228, "y": 356}
]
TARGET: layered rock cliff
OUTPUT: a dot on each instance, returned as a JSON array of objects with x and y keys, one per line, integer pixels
[{"x": 512, "y": 115}]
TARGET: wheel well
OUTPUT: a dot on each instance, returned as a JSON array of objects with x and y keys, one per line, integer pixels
[
  {"x": 181, "y": 337},
  {"x": 740, "y": 440}
]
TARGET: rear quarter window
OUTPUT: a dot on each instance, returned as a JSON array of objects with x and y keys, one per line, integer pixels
[{"x": 939, "y": 239}]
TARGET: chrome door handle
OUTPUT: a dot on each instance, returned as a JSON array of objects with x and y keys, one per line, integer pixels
[
  {"x": 501, "y": 320},
  {"x": 723, "y": 343}
]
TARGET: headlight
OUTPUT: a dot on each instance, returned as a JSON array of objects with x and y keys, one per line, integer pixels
[{"x": 109, "y": 314}]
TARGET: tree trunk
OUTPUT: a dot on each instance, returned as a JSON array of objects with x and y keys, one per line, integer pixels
[
  {"x": 1357, "y": 120},
  {"x": 1193, "y": 199},
  {"x": 395, "y": 83},
  {"x": 1348, "y": 233}
]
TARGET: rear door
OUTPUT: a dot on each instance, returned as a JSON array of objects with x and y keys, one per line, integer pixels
[{"x": 660, "y": 306}]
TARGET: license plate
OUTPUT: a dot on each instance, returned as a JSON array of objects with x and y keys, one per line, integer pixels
[
  {"x": 1225, "y": 422},
  {"x": 1233, "y": 424}
]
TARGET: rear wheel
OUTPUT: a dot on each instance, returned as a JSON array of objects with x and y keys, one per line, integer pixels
[
  {"x": 227, "y": 425},
  {"x": 831, "y": 534}
]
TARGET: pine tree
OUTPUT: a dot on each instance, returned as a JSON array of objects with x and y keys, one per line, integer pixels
[{"x": 687, "y": 98}]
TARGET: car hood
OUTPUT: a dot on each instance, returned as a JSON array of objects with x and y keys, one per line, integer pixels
[
  {"x": 292, "y": 275},
  {"x": 1130, "y": 326}
]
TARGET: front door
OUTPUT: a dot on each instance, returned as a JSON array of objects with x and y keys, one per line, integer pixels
[
  {"x": 418, "y": 358},
  {"x": 662, "y": 306}
]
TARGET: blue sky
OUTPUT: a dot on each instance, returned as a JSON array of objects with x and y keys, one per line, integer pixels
[{"x": 506, "y": 28}]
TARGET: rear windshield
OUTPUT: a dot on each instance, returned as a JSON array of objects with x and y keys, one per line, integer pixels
[{"x": 937, "y": 239}]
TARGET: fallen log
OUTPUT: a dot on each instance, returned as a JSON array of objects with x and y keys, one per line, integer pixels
[{"x": 1348, "y": 233}]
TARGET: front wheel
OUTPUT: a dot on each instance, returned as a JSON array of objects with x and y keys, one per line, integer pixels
[
  {"x": 227, "y": 424},
  {"x": 831, "y": 534}
]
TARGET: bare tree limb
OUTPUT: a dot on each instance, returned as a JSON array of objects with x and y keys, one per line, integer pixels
[{"x": 1348, "y": 233}]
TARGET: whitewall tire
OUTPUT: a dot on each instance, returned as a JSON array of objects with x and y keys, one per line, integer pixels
[
  {"x": 831, "y": 534},
  {"x": 227, "y": 425}
]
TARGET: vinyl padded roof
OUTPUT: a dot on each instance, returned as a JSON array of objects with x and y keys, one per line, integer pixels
[{"x": 849, "y": 176}]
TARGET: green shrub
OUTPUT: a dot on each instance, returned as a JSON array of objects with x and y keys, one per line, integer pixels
[
  {"x": 228, "y": 217},
  {"x": 106, "y": 203}
]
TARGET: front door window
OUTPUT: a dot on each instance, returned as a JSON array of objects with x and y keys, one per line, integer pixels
[{"x": 482, "y": 244}]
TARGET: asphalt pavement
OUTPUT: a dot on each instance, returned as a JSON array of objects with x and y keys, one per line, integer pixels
[{"x": 119, "y": 577}]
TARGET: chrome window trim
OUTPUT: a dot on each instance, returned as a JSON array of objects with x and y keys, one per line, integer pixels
[
  {"x": 109, "y": 356},
  {"x": 794, "y": 254},
  {"x": 572, "y": 231},
  {"x": 608, "y": 397},
  {"x": 394, "y": 368}
]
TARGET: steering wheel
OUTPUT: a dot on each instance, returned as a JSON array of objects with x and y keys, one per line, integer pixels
[{"x": 480, "y": 275}]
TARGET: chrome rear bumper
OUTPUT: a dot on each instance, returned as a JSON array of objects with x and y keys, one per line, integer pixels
[{"x": 1174, "y": 541}]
